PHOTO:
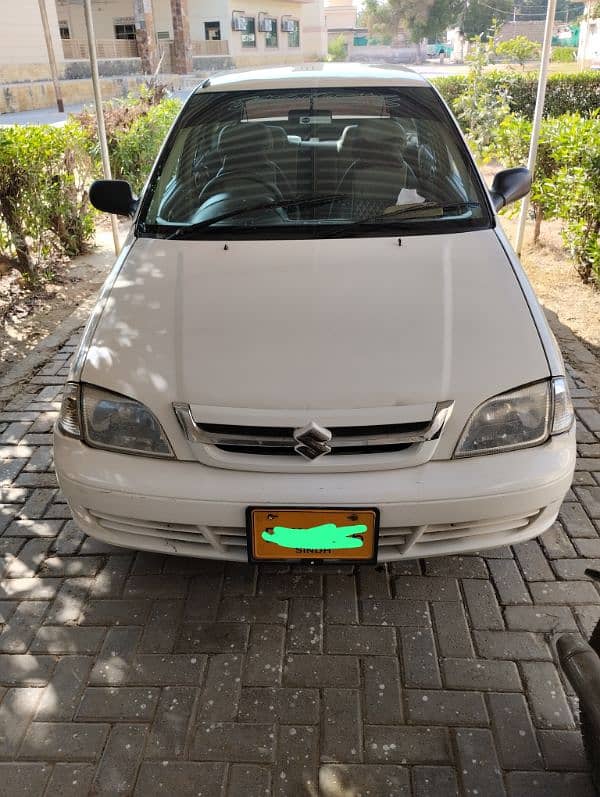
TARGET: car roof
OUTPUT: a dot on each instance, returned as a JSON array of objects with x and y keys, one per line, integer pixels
[{"x": 313, "y": 75}]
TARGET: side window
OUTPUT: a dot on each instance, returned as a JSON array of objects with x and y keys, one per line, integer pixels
[{"x": 249, "y": 35}]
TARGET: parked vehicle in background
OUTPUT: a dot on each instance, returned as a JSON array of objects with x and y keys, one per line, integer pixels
[{"x": 317, "y": 342}]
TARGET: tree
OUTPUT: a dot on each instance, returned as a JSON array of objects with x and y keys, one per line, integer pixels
[
  {"x": 428, "y": 19},
  {"x": 478, "y": 16},
  {"x": 520, "y": 49},
  {"x": 380, "y": 19}
]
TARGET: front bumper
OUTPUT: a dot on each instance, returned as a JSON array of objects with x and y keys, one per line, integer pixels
[{"x": 441, "y": 507}]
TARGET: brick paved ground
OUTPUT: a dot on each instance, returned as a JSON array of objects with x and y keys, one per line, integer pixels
[{"x": 127, "y": 673}]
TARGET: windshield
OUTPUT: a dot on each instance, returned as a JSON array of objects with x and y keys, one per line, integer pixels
[{"x": 321, "y": 162}]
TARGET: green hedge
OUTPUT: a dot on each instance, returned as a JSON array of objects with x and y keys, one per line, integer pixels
[{"x": 565, "y": 93}]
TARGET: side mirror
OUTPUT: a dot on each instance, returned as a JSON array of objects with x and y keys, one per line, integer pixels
[
  {"x": 510, "y": 185},
  {"x": 113, "y": 196}
]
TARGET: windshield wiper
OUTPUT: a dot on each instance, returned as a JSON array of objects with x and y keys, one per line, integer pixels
[
  {"x": 299, "y": 202},
  {"x": 431, "y": 210}
]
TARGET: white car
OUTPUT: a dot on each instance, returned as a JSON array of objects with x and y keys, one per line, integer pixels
[{"x": 317, "y": 342}]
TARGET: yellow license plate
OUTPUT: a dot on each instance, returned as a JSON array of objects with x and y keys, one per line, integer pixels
[{"x": 290, "y": 534}]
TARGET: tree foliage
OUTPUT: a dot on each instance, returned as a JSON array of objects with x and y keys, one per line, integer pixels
[{"x": 520, "y": 49}]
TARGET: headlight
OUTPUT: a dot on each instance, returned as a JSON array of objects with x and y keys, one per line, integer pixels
[
  {"x": 107, "y": 420},
  {"x": 519, "y": 419}
]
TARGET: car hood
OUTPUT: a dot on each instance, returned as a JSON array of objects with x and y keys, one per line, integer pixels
[{"x": 332, "y": 324}]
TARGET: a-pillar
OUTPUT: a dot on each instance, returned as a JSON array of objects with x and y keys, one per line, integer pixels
[
  {"x": 145, "y": 34},
  {"x": 181, "y": 62}
]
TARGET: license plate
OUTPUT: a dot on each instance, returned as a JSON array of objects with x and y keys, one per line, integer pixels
[{"x": 312, "y": 533}]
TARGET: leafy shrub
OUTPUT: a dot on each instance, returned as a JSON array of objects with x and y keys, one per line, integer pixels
[
  {"x": 567, "y": 179},
  {"x": 565, "y": 93},
  {"x": 338, "y": 49},
  {"x": 44, "y": 209},
  {"x": 563, "y": 55},
  {"x": 519, "y": 49}
]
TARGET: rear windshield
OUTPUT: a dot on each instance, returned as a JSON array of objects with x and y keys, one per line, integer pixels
[{"x": 320, "y": 162}]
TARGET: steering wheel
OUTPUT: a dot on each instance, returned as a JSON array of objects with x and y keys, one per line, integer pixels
[{"x": 214, "y": 186}]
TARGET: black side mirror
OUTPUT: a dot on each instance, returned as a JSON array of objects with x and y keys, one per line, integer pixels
[
  {"x": 510, "y": 185},
  {"x": 113, "y": 196}
]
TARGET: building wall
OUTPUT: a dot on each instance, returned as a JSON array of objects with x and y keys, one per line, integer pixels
[
  {"x": 105, "y": 13},
  {"x": 340, "y": 15},
  {"x": 589, "y": 39},
  {"x": 23, "y": 54}
]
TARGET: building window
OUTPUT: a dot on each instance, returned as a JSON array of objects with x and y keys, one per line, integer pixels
[
  {"x": 212, "y": 31},
  {"x": 125, "y": 31},
  {"x": 63, "y": 28},
  {"x": 249, "y": 35},
  {"x": 271, "y": 35},
  {"x": 294, "y": 33}
]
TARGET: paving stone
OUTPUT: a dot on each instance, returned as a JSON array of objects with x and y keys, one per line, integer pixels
[
  {"x": 239, "y": 579},
  {"x": 162, "y": 629},
  {"x": 117, "y": 652},
  {"x": 369, "y": 780},
  {"x": 360, "y": 640},
  {"x": 10, "y": 469},
  {"x": 34, "y": 528},
  {"x": 434, "y": 782},
  {"x": 565, "y": 592},
  {"x": 59, "y": 700},
  {"x": 588, "y": 547},
  {"x": 516, "y": 742},
  {"x": 419, "y": 658},
  {"x": 509, "y": 581},
  {"x": 118, "y": 703},
  {"x": 382, "y": 690},
  {"x": 16, "y": 711},
  {"x": 155, "y": 586},
  {"x": 443, "y": 707},
  {"x": 204, "y": 596},
  {"x": 221, "y": 692},
  {"x": 428, "y": 588},
  {"x": 402, "y": 744},
  {"x": 574, "y": 569},
  {"x": 341, "y": 737},
  {"x": 305, "y": 626},
  {"x": 575, "y": 521},
  {"x": 109, "y": 583},
  {"x": 562, "y": 750},
  {"x": 395, "y": 612},
  {"x": 257, "y": 609},
  {"x": 265, "y": 704},
  {"x": 171, "y": 721},
  {"x": 587, "y": 618},
  {"x": 484, "y": 610},
  {"x": 33, "y": 589},
  {"x": 457, "y": 567},
  {"x": 30, "y": 557},
  {"x": 20, "y": 629},
  {"x": 133, "y": 611},
  {"x": 61, "y": 639},
  {"x": 511, "y": 645},
  {"x": 479, "y": 767},
  {"x": 230, "y": 741},
  {"x": 480, "y": 674},
  {"x": 532, "y": 561},
  {"x": 71, "y": 566},
  {"x": 23, "y": 779},
  {"x": 340, "y": 599},
  {"x": 539, "y": 618},
  {"x": 70, "y": 780},
  {"x": 264, "y": 658},
  {"x": 548, "y": 784},
  {"x": 117, "y": 770},
  {"x": 162, "y": 669},
  {"x": 250, "y": 780},
  {"x": 373, "y": 581},
  {"x": 308, "y": 670},
  {"x": 67, "y": 606},
  {"x": 8, "y": 512},
  {"x": 64, "y": 741},
  {"x": 295, "y": 769},
  {"x": 556, "y": 543},
  {"x": 452, "y": 632},
  {"x": 213, "y": 637},
  {"x": 37, "y": 503},
  {"x": 290, "y": 585},
  {"x": 69, "y": 541},
  {"x": 591, "y": 419},
  {"x": 181, "y": 778},
  {"x": 546, "y": 695},
  {"x": 23, "y": 669}
]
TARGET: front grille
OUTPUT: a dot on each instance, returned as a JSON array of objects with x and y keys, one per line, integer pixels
[{"x": 345, "y": 440}]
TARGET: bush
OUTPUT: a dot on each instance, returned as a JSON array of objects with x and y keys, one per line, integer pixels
[
  {"x": 338, "y": 49},
  {"x": 563, "y": 55},
  {"x": 520, "y": 49},
  {"x": 44, "y": 209},
  {"x": 565, "y": 93},
  {"x": 567, "y": 179},
  {"x": 135, "y": 130}
]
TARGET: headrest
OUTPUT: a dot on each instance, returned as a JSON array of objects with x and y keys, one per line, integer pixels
[
  {"x": 375, "y": 139},
  {"x": 245, "y": 139},
  {"x": 279, "y": 137}
]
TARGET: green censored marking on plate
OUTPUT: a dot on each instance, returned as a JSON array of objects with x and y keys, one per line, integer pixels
[{"x": 325, "y": 537}]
